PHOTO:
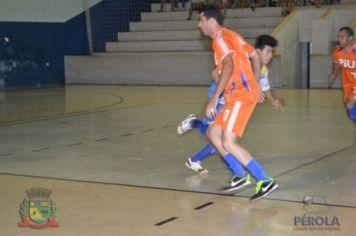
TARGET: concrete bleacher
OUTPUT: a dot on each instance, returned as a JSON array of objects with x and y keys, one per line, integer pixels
[
  {"x": 255, "y": 20},
  {"x": 170, "y": 31},
  {"x": 164, "y": 48}
]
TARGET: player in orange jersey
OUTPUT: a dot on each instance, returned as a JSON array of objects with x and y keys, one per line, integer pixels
[
  {"x": 344, "y": 59},
  {"x": 241, "y": 92}
]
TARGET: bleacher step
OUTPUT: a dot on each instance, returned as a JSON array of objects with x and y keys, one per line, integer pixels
[
  {"x": 232, "y": 23},
  {"x": 231, "y": 13},
  {"x": 159, "y": 46},
  {"x": 184, "y": 34}
]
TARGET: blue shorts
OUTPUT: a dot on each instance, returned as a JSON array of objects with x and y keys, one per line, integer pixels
[{"x": 207, "y": 120}]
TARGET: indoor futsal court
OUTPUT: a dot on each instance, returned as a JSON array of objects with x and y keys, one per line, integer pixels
[
  {"x": 92, "y": 93},
  {"x": 115, "y": 164}
]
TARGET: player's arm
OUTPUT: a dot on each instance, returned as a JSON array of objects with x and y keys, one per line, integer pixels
[
  {"x": 276, "y": 102},
  {"x": 215, "y": 75},
  {"x": 226, "y": 71},
  {"x": 332, "y": 77},
  {"x": 266, "y": 88},
  {"x": 212, "y": 87},
  {"x": 256, "y": 66}
]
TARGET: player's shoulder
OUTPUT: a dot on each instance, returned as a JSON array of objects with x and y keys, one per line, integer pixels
[
  {"x": 354, "y": 49},
  {"x": 337, "y": 51},
  {"x": 225, "y": 33},
  {"x": 338, "y": 48},
  {"x": 225, "y": 37}
]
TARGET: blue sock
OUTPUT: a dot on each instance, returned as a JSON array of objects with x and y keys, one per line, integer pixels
[
  {"x": 256, "y": 170},
  {"x": 197, "y": 124},
  {"x": 208, "y": 150},
  {"x": 234, "y": 165},
  {"x": 352, "y": 113}
]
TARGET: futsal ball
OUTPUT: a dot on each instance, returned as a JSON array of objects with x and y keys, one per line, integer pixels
[{"x": 308, "y": 200}]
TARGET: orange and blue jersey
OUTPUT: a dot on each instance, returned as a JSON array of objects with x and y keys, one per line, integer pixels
[
  {"x": 347, "y": 62},
  {"x": 242, "y": 79},
  {"x": 264, "y": 84}
]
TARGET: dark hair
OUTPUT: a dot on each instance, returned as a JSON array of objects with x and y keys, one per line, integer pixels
[
  {"x": 265, "y": 40},
  {"x": 211, "y": 11},
  {"x": 348, "y": 30}
]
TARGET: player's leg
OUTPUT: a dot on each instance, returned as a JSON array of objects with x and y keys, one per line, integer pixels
[
  {"x": 351, "y": 107},
  {"x": 186, "y": 124},
  {"x": 192, "y": 122},
  {"x": 194, "y": 162},
  {"x": 265, "y": 184},
  {"x": 237, "y": 115},
  {"x": 240, "y": 178},
  {"x": 201, "y": 125}
]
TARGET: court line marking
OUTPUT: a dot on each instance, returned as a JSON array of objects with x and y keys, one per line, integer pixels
[
  {"x": 309, "y": 163},
  {"x": 166, "y": 221},
  {"x": 147, "y": 130},
  {"x": 41, "y": 149},
  {"x": 210, "y": 193},
  {"x": 73, "y": 144},
  {"x": 63, "y": 115},
  {"x": 316, "y": 160},
  {"x": 204, "y": 205},
  {"x": 102, "y": 139},
  {"x": 98, "y": 140},
  {"x": 168, "y": 189},
  {"x": 108, "y": 108},
  {"x": 6, "y": 154}
]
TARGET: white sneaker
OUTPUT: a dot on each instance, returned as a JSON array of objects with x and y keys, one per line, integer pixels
[
  {"x": 196, "y": 166},
  {"x": 186, "y": 124}
]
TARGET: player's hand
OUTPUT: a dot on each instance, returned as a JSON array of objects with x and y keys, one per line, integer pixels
[
  {"x": 350, "y": 103},
  {"x": 278, "y": 104},
  {"x": 210, "y": 111},
  {"x": 331, "y": 80}
]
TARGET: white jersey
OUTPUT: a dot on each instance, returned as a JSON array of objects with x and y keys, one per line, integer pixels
[{"x": 264, "y": 83}]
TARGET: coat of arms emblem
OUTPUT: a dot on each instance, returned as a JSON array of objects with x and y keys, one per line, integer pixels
[{"x": 37, "y": 211}]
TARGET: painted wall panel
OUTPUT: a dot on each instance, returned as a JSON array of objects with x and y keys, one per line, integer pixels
[{"x": 42, "y": 10}]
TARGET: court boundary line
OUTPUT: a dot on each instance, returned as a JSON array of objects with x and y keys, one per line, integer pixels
[
  {"x": 199, "y": 192},
  {"x": 75, "y": 114},
  {"x": 169, "y": 189},
  {"x": 65, "y": 114},
  {"x": 316, "y": 160}
]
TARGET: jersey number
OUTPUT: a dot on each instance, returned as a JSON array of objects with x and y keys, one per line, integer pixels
[{"x": 226, "y": 114}]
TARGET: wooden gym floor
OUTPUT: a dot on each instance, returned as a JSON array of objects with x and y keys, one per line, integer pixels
[{"x": 115, "y": 164}]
